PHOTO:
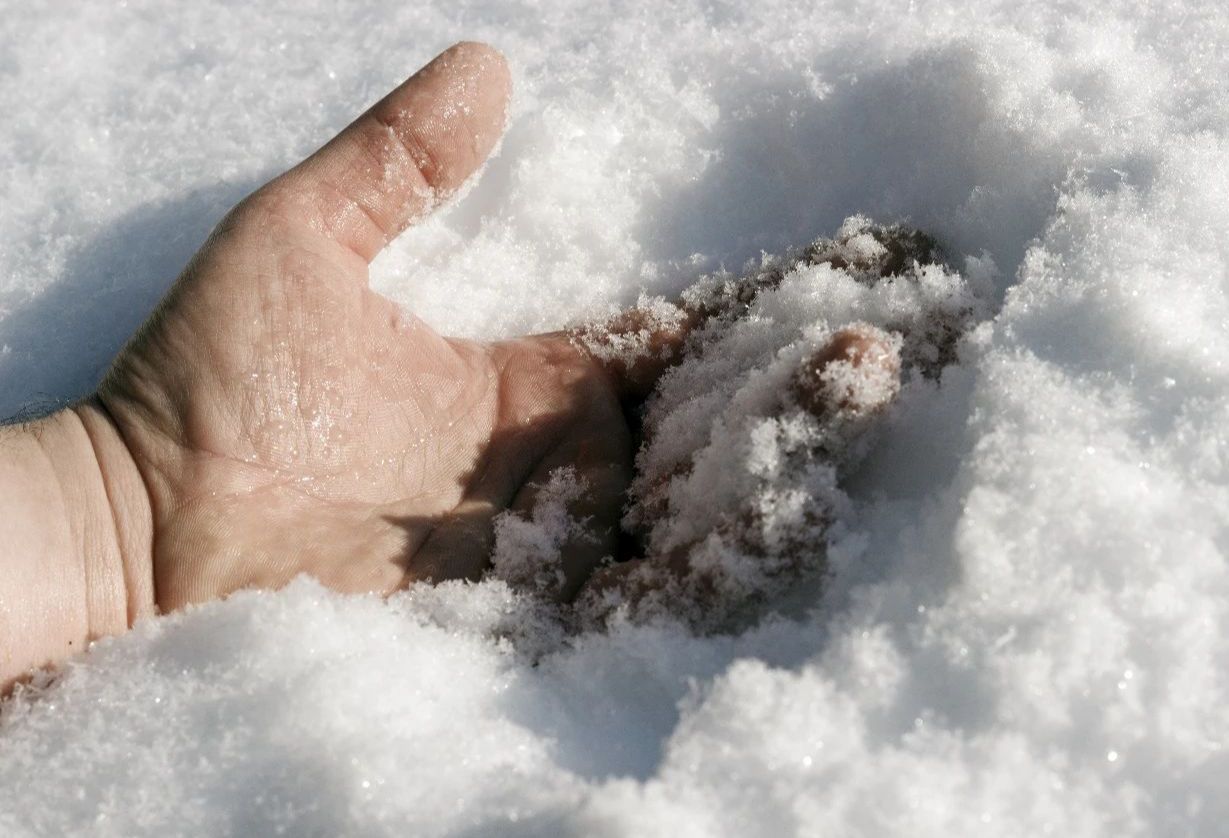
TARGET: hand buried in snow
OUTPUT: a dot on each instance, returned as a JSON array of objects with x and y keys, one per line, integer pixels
[
  {"x": 774, "y": 381},
  {"x": 287, "y": 419}
]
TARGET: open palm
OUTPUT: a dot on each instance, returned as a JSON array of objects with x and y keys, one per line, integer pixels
[{"x": 288, "y": 419}]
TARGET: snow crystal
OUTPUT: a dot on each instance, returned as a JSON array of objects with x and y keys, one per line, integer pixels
[{"x": 1023, "y": 621}]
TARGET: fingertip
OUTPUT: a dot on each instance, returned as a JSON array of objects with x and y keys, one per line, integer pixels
[
  {"x": 488, "y": 59},
  {"x": 485, "y": 76},
  {"x": 452, "y": 112},
  {"x": 638, "y": 345},
  {"x": 857, "y": 370},
  {"x": 858, "y": 344},
  {"x": 410, "y": 151}
]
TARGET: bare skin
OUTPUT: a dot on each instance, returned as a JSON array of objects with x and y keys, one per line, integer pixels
[
  {"x": 277, "y": 417},
  {"x": 287, "y": 419}
]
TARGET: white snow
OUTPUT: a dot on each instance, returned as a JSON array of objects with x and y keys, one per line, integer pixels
[{"x": 1024, "y": 628}]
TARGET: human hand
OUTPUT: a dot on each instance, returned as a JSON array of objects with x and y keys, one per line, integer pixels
[
  {"x": 276, "y": 416},
  {"x": 287, "y": 419}
]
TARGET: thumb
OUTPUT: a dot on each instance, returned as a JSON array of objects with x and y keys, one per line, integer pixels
[{"x": 409, "y": 151}]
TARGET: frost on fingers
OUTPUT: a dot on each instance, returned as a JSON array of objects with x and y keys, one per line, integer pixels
[{"x": 776, "y": 380}]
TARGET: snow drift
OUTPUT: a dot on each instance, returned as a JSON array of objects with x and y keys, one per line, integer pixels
[{"x": 1024, "y": 623}]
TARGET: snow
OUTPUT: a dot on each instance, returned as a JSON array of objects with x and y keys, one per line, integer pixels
[{"x": 1024, "y": 622}]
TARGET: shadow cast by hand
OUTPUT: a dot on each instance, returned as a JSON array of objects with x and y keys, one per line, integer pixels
[
  {"x": 59, "y": 343},
  {"x": 923, "y": 141}
]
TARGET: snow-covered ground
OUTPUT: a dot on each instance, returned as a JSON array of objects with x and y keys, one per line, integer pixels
[{"x": 1025, "y": 628}]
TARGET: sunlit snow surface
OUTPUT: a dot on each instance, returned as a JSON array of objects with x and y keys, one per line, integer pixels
[{"x": 1025, "y": 628}]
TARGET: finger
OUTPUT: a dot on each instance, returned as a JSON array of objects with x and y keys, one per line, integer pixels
[
  {"x": 638, "y": 345},
  {"x": 409, "y": 151},
  {"x": 564, "y": 517},
  {"x": 896, "y": 250},
  {"x": 856, "y": 372},
  {"x": 459, "y": 543},
  {"x": 529, "y": 429},
  {"x": 666, "y": 585},
  {"x": 599, "y": 467},
  {"x": 623, "y": 585},
  {"x": 853, "y": 375}
]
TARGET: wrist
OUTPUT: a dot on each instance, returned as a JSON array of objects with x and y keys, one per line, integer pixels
[
  {"x": 128, "y": 513},
  {"x": 76, "y": 563}
]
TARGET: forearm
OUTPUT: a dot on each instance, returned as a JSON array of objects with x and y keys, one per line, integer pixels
[{"x": 76, "y": 535}]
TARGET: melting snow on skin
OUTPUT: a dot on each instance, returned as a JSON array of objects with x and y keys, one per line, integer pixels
[{"x": 1023, "y": 621}]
